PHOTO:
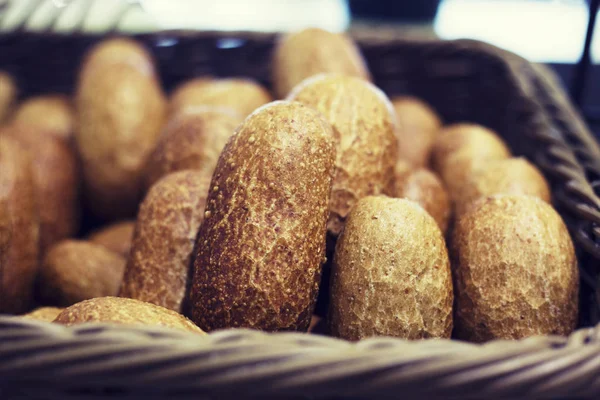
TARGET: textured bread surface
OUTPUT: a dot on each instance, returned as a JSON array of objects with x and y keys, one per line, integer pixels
[
  {"x": 262, "y": 242},
  {"x": 115, "y": 237},
  {"x": 418, "y": 129},
  {"x": 76, "y": 270},
  {"x": 313, "y": 51},
  {"x": 158, "y": 270},
  {"x": 47, "y": 314},
  {"x": 391, "y": 274},
  {"x": 364, "y": 127},
  {"x": 18, "y": 193},
  {"x": 515, "y": 270},
  {"x": 193, "y": 139},
  {"x": 119, "y": 310}
]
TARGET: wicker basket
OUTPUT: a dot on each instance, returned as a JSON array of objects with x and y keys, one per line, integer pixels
[{"x": 464, "y": 81}]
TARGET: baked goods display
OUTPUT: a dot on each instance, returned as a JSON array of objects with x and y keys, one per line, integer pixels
[{"x": 214, "y": 206}]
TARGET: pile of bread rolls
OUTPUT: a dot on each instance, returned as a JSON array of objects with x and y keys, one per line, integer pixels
[{"x": 222, "y": 208}]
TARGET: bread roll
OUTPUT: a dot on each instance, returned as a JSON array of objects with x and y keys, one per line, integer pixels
[
  {"x": 313, "y": 51},
  {"x": 510, "y": 176},
  {"x": 158, "y": 270},
  {"x": 364, "y": 129},
  {"x": 76, "y": 270},
  {"x": 262, "y": 242},
  {"x": 121, "y": 110},
  {"x": 119, "y": 310},
  {"x": 193, "y": 139},
  {"x": 49, "y": 114},
  {"x": 515, "y": 270},
  {"x": 240, "y": 95},
  {"x": 8, "y": 93},
  {"x": 57, "y": 181},
  {"x": 47, "y": 314},
  {"x": 116, "y": 237},
  {"x": 424, "y": 188},
  {"x": 418, "y": 129},
  {"x": 17, "y": 192},
  {"x": 391, "y": 275}
]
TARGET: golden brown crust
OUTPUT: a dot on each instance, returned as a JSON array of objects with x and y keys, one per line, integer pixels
[
  {"x": 119, "y": 310},
  {"x": 193, "y": 139},
  {"x": 312, "y": 51},
  {"x": 418, "y": 128},
  {"x": 49, "y": 113},
  {"x": 167, "y": 225},
  {"x": 510, "y": 176},
  {"x": 115, "y": 237},
  {"x": 424, "y": 188},
  {"x": 76, "y": 270},
  {"x": 117, "y": 51},
  {"x": 48, "y": 314},
  {"x": 237, "y": 94},
  {"x": 364, "y": 127},
  {"x": 17, "y": 191},
  {"x": 391, "y": 274},
  {"x": 515, "y": 270},
  {"x": 8, "y": 93},
  {"x": 56, "y": 178},
  {"x": 262, "y": 242},
  {"x": 120, "y": 113},
  {"x": 462, "y": 148}
]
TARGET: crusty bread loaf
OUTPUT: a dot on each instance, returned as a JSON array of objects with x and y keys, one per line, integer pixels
[
  {"x": 300, "y": 55},
  {"x": 262, "y": 242},
  {"x": 50, "y": 114},
  {"x": 158, "y": 270},
  {"x": 8, "y": 93},
  {"x": 47, "y": 314},
  {"x": 418, "y": 129},
  {"x": 119, "y": 310},
  {"x": 240, "y": 95},
  {"x": 193, "y": 139},
  {"x": 76, "y": 270},
  {"x": 391, "y": 274},
  {"x": 17, "y": 191},
  {"x": 120, "y": 111},
  {"x": 515, "y": 270},
  {"x": 424, "y": 188},
  {"x": 115, "y": 237},
  {"x": 509, "y": 176},
  {"x": 364, "y": 128},
  {"x": 462, "y": 148},
  {"x": 57, "y": 181}
]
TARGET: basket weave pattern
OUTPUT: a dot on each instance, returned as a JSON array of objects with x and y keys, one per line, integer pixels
[{"x": 463, "y": 81}]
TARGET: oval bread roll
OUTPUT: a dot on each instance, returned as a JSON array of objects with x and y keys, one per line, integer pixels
[
  {"x": 158, "y": 270},
  {"x": 515, "y": 270},
  {"x": 391, "y": 274},
  {"x": 240, "y": 95},
  {"x": 49, "y": 114},
  {"x": 8, "y": 93},
  {"x": 17, "y": 192},
  {"x": 262, "y": 242},
  {"x": 418, "y": 129},
  {"x": 462, "y": 148},
  {"x": 118, "y": 51},
  {"x": 56, "y": 178},
  {"x": 424, "y": 188},
  {"x": 364, "y": 129},
  {"x": 313, "y": 51},
  {"x": 47, "y": 314},
  {"x": 120, "y": 114},
  {"x": 510, "y": 176},
  {"x": 193, "y": 139},
  {"x": 119, "y": 310},
  {"x": 76, "y": 270},
  {"x": 116, "y": 237}
]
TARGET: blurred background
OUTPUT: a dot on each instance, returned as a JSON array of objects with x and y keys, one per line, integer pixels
[{"x": 548, "y": 31}]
